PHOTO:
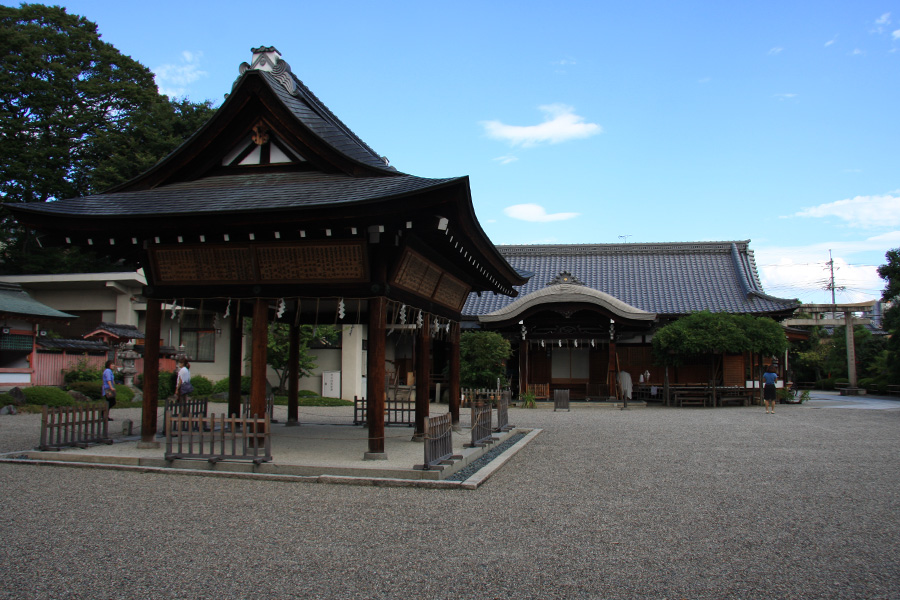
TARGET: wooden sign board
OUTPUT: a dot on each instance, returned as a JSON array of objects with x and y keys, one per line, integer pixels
[
  {"x": 418, "y": 275},
  {"x": 314, "y": 262}
]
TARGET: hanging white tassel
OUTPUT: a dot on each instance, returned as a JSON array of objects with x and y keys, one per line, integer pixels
[
  {"x": 403, "y": 314},
  {"x": 174, "y": 310},
  {"x": 341, "y": 311},
  {"x": 281, "y": 307},
  {"x": 420, "y": 321},
  {"x": 228, "y": 308}
]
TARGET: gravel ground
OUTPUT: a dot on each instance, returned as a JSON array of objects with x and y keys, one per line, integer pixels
[{"x": 644, "y": 503}]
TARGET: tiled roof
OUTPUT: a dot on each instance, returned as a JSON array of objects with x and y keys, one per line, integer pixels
[
  {"x": 118, "y": 330},
  {"x": 250, "y": 192},
  {"x": 78, "y": 345},
  {"x": 310, "y": 111},
  {"x": 16, "y": 301},
  {"x": 667, "y": 279}
]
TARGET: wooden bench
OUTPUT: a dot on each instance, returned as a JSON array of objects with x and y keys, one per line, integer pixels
[
  {"x": 893, "y": 390},
  {"x": 694, "y": 396}
]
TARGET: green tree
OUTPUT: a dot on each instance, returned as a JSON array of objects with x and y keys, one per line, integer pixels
[
  {"x": 705, "y": 333},
  {"x": 278, "y": 348},
  {"x": 76, "y": 116},
  {"x": 890, "y": 272},
  {"x": 482, "y": 356}
]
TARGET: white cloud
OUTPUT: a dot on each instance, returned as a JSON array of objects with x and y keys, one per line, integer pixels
[
  {"x": 884, "y": 19},
  {"x": 857, "y": 52},
  {"x": 535, "y": 213},
  {"x": 801, "y": 271},
  {"x": 784, "y": 96},
  {"x": 861, "y": 211},
  {"x": 831, "y": 41},
  {"x": 505, "y": 160},
  {"x": 775, "y": 50},
  {"x": 173, "y": 79},
  {"x": 561, "y": 124},
  {"x": 896, "y": 34}
]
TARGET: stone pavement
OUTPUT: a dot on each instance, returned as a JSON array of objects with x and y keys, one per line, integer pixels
[{"x": 660, "y": 503}]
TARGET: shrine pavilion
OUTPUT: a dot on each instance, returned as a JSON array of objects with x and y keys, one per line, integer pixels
[
  {"x": 590, "y": 310},
  {"x": 276, "y": 211}
]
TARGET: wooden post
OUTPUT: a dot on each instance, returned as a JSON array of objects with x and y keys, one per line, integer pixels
[
  {"x": 293, "y": 373},
  {"x": 375, "y": 387},
  {"x": 151, "y": 371},
  {"x": 851, "y": 349},
  {"x": 258, "y": 354},
  {"x": 454, "y": 375},
  {"x": 423, "y": 378},
  {"x": 235, "y": 361},
  {"x": 523, "y": 367}
]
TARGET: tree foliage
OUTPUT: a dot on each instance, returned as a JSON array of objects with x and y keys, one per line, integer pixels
[
  {"x": 483, "y": 356},
  {"x": 890, "y": 272},
  {"x": 705, "y": 333},
  {"x": 278, "y": 348},
  {"x": 76, "y": 117}
]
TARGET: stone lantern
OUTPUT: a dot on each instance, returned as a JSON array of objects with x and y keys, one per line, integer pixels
[{"x": 128, "y": 356}]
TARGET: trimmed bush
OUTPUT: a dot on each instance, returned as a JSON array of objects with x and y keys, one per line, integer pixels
[
  {"x": 202, "y": 385},
  {"x": 91, "y": 389},
  {"x": 82, "y": 372},
  {"x": 221, "y": 386},
  {"x": 47, "y": 396},
  {"x": 166, "y": 385}
]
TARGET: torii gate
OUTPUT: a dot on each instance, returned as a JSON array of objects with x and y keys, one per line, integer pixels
[{"x": 848, "y": 321}]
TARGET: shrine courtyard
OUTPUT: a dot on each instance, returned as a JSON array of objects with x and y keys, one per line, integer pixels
[{"x": 649, "y": 502}]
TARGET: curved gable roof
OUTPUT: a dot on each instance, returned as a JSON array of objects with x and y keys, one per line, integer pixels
[
  {"x": 567, "y": 293},
  {"x": 663, "y": 278}
]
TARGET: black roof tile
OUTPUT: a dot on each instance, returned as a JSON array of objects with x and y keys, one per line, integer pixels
[{"x": 667, "y": 279}]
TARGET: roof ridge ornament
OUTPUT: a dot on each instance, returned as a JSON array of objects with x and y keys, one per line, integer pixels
[
  {"x": 565, "y": 277},
  {"x": 268, "y": 58}
]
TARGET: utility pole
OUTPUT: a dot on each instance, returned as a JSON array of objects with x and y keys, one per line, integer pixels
[{"x": 848, "y": 324}]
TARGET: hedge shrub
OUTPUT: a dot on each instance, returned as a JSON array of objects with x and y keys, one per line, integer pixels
[
  {"x": 221, "y": 386},
  {"x": 46, "y": 395},
  {"x": 202, "y": 385}
]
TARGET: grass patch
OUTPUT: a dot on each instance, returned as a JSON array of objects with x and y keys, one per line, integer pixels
[{"x": 314, "y": 401}]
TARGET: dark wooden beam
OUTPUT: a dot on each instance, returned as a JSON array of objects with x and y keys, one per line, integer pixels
[
  {"x": 375, "y": 381},
  {"x": 235, "y": 363},
  {"x": 151, "y": 370},
  {"x": 258, "y": 345},
  {"x": 423, "y": 377},
  {"x": 454, "y": 374},
  {"x": 293, "y": 374}
]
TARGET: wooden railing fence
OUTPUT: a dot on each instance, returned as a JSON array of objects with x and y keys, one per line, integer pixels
[
  {"x": 396, "y": 412},
  {"x": 215, "y": 439},
  {"x": 190, "y": 407},
  {"x": 560, "y": 400},
  {"x": 503, "y": 411},
  {"x": 481, "y": 425},
  {"x": 438, "y": 441},
  {"x": 270, "y": 407},
  {"x": 541, "y": 391},
  {"x": 79, "y": 425}
]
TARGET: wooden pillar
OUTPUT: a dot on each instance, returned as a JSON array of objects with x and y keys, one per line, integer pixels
[
  {"x": 613, "y": 372},
  {"x": 258, "y": 352},
  {"x": 151, "y": 371},
  {"x": 293, "y": 374},
  {"x": 423, "y": 377},
  {"x": 851, "y": 349},
  {"x": 523, "y": 367},
  {"x": 375, "y": 387},
  {"x": 454, "y": 375},
  {"x": 235, "y": 362}
]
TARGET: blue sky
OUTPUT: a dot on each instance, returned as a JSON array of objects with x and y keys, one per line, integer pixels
[{"x": 595, "y": 122}]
